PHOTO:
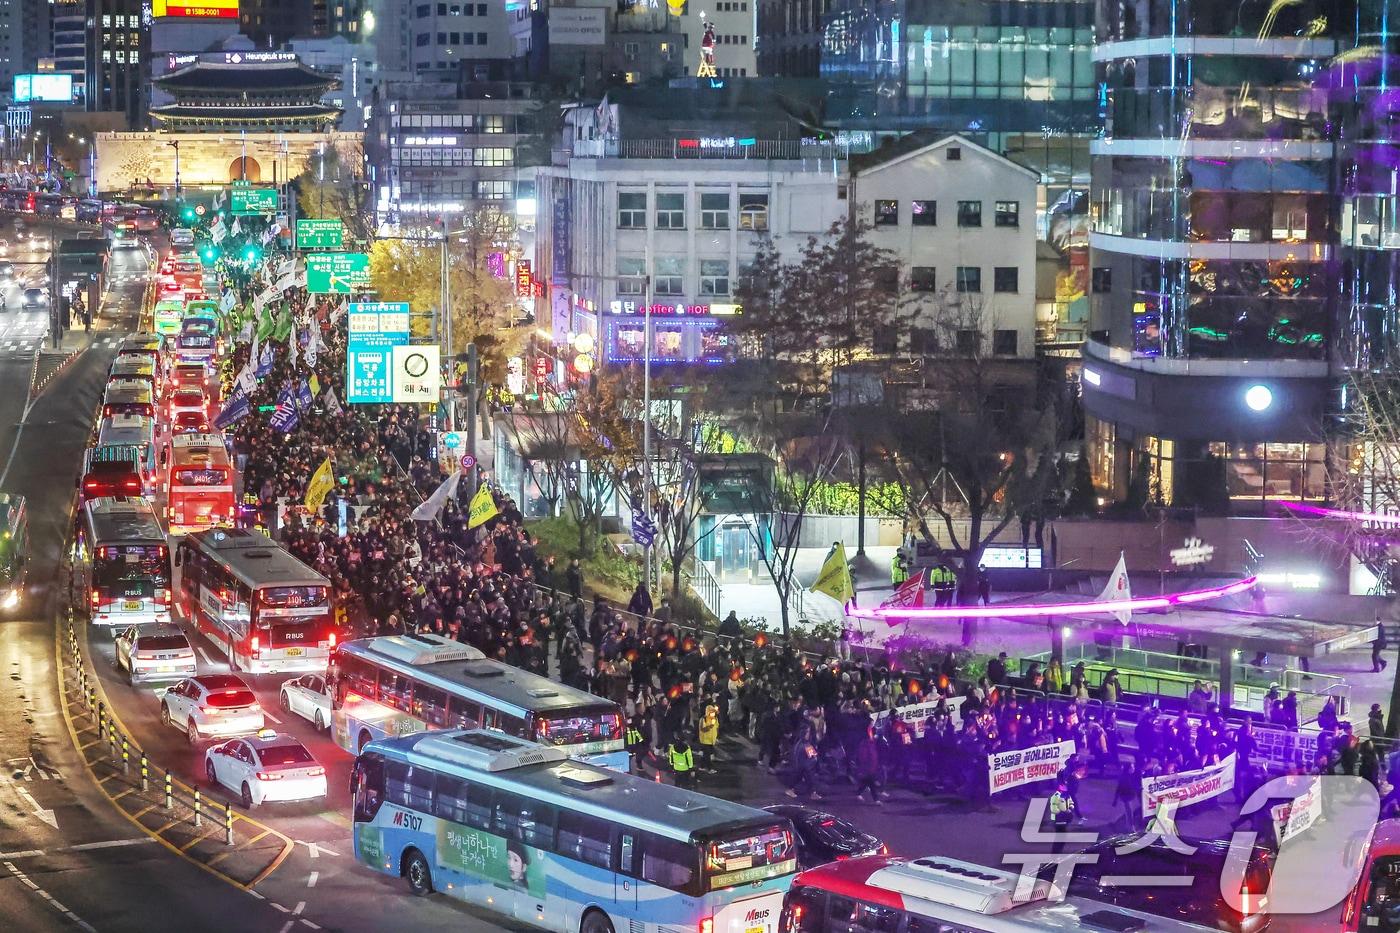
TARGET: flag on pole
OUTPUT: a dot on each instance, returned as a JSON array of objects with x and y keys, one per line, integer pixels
[
  {"x": 285, "y": 417},
  {"x": 321, "y": 483},
  {"x": 247, "y": 379},
  {"x": 292, "y": 348},
  {"x": 237, "y": 228},
  {"x": 264, "y": 362},
  {"x": 907, "y": 594},
  {"x": 227, "y": 301},
  {"x": 483, "y": 507},
  {"x": 428, "y": 510},
  {"x": 1118, "y": 589},
  {"x": 333, "y": 403},
  {"x": 236, "y": 408},
  {"x": 835, "y": 577},
  {"x": 305, "y": 397}
]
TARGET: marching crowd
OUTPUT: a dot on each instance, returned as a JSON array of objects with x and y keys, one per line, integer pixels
[{"x": 821, "y": 722}]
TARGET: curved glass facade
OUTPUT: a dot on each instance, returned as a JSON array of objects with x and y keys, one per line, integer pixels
[{"x": 1219, "y": 173}]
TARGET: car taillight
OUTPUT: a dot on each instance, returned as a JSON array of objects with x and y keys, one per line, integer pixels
[
  {"x": 268, "y": 776},
  {"x": 316, "y": 772},
  {"x": 95, "y": 598},
  {"x": 332, "y": 640},
  {"x": 255, "y": 644}
]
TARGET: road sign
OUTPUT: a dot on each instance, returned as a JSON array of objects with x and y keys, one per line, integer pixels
[
  {"x": 320, "y": 234},
  {"x": 246, "y": 201},
  {"x": 336, "y": 273},
  {"x": 374, "y": 328},
  {"x": 453, "y": 440},
  {"x": 468, "y": 461},
  {"x": 417, "y": 373}
]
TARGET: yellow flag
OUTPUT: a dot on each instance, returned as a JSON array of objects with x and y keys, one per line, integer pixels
[
  {"x": 835, "y": 578},
  {"x": 322, "y": 482},
  {"x": 483, "y": 508}
]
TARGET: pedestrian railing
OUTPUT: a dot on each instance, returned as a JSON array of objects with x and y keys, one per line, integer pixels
[{"x": 707, "y": 587}]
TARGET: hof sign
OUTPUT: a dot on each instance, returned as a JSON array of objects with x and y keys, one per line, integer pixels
[{"x": 417, "y": 373}]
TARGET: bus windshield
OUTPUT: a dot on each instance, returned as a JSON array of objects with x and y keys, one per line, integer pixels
[
  {"x": 292, "y": 597},
  {"x": 576, "y": 728},
  {"x": 122, "y": 565},
  {"x": 751, "y": 855}
]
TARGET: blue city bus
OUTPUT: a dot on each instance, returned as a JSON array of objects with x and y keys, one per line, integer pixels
[
  {"x": 523, "y": 830},
  {"x": 401, "y": 684}
]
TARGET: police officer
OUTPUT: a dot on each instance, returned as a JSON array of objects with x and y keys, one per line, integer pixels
[
  {"x": 635, "y": 741},
  {"x": 682, "y": 761},
  {"x": 899, "y": 568},
  {"x": 1061, "y": 814}
]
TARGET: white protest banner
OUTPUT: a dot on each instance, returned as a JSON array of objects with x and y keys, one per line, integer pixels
[
  {"x": 917, "y": 715},
  {"x": 1027, "y": 765},
  {"x": 1297, "y": 815},
  {"x": 1188, "y": 787}
]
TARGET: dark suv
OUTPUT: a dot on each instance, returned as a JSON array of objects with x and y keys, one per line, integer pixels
[{"x": 1198, "y": 901}]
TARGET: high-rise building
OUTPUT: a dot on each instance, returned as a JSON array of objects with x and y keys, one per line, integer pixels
[
  {"x": 271, "y": 23},
  {"x": 68, "y": 40},
  {"x": 118, "y": 59},
  {"x": 23, "y": 26},
  {"x": 1220, "y": 296}
]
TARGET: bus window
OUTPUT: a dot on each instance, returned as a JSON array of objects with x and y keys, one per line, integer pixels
[
  {"x": 451, "y": 801},
  {"x": 368, "y": 782},
  {"x": 585, "y": 838},
  {"x": 463, "y": 714},
  {"x": 430, "y": 705},
  {"x": 804, "y": 911},
  {"x": 668, "y": 863},
  {"x": 732, "y": 859},
  {"x": 480, "y": 800},
  {"x": 355, "y": 676},
  {"x": 873, "y": 918},
  {"x": 408, "y": 786},
  {"x": 395, "y": 690},
  {"x": 526, "y": 820}
]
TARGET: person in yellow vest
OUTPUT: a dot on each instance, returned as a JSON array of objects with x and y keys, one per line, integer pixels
[
  {"x": 636, "y": 743},
  {"x": 899, "y": 568},
  {"x": 707, "y": 736},
  {"x": 682, "y": 761}
]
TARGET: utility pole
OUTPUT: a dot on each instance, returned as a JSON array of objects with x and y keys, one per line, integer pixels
[{"x": 472, "y": 366}]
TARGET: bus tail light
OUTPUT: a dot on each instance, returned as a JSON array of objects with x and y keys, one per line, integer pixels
[
  {"x": 95, "y": 598},
  {"x": 332, "y": 640},
  {"x": 255, "y": 646},
  {"x": 170, "y": 511},
  {"x": 269, "y": 776},
  {"x": 163, "y": 596},
  {"x": 707, "y": 925}
]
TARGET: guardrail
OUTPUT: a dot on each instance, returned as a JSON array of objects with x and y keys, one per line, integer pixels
[{"x": 707, "y": 588}]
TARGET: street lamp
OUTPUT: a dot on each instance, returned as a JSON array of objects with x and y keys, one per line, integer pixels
[{"x": 175, "y": 144}]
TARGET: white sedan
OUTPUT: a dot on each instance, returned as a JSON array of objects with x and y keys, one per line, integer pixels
[
  {"x": 211, "y": 706},
  {"x": 266, "y": 767},
  {"x": 309, "y": 697}
]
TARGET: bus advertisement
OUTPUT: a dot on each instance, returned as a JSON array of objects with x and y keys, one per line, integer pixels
[
  {"x": 521, "y": 830},
  {"x": 169, "y": 312},
  {"x": 122, "y": 562},
  {"x": 267, "y": 611},
  {"x": 402, "y": 684},
  {"x": 199, "y": 483}
]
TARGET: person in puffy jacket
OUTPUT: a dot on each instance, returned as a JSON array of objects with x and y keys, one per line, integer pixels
[{"x": 865, "y": 767}]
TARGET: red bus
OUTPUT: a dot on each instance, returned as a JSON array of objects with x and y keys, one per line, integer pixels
[
  {"x": 199, "y": 483},
  {"x": 265, "y": 609}
]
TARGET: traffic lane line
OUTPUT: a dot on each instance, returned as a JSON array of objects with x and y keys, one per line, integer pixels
[{"x": 25, "y": 880}]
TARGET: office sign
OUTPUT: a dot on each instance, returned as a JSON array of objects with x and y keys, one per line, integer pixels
[
  {"x": 577, "y": 25},
  {"x": 320, "y": 234},
  {"x": 195, "y": 9},
  {"x": 247, "y": 201},
  {"x": 336, "y": 273}
]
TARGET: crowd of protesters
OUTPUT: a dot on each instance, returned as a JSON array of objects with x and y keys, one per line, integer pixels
[{"x": 819, "y": 721}]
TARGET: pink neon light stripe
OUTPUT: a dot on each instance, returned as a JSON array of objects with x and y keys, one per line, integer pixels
[
  {"x": 1379, "y": 518},
  {"x": 1056, "y": 609}
]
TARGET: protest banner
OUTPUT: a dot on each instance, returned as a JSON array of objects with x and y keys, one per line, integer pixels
[
  {"x": 1188, "y": 787},
  {"x": 1027, "y": 765},
  {"x": 917, "y": 715},
  {"x": 1296, "y": 816}
]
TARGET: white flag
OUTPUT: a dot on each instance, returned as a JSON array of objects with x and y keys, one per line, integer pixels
[
  {"x": 237, "y": 228},
  {"x": 1118, "y": 590},
  {"x": 227, "y": 301},
  {"x": 332, "y": 403},
  {"x": 286, "y": 282},
  {"x": 428, "y": 511},
  {"x": 294, "y": 346},
  {"x": 217, "y": 235},
  {"x": 286, "y": 267},
  {"x": 219, "y": 201},
  {"x": 247, "y": 380}
]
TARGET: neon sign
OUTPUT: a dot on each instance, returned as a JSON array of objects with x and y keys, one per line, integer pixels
[{"x": 633, "y": 307}]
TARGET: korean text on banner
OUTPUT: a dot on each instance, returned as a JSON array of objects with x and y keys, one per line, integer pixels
[
  {"x": 918, "y": 715},
  {"x": 1188, "y": 787},
  {"x": 322, "y": 482},
  {"x": 1296, "y": 816},
  {"x": 1027, "y": 765},
  {"x": 483, "y": 508}
]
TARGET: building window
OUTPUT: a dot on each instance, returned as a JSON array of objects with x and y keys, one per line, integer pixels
[
  {"x": 495, "y": 190},
  {"x": 481, "y": 38},
  {"x": 923, "y": 279},
  {"x": 455, "y": 38},
  {"x": 1006, "y": 279},
  {"x": 969, "y": 340},
  {"x": 481, "y": 9},
  {"x": 969, "y": 279},
  {"x": 753, "y": 211},
  {"x": 631, "y": 210},
  {"x": 1008, "y": 214},
  {"x": 1004, "y": 343},
  {"x": 714, "y": 211},
  {"x": 423, "y": 10},
  {"x": 886, "y": 213},
  {"x": 969, "y": 213},
  {"x": 631, "y": 275},
  {"x": 954, "y": 154},
  {"x": 923, "y": 213},
  {"x": 631, "y": 50},
  {"x": 1273, "y": 471},
  {"x": 714, "y": 277},
  {"x": 886, "y": 279},
  {"x": 670, "y": 212},
  {"x": 442, "y": 9},
  {"x": 421, "y": 40},
  {"x": 668, "y": 279},
  {"x": 1102, "y": 280},
  {"x": 923, "y": 341}
]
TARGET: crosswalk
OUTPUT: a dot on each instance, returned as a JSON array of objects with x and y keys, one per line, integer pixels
[
  {"x": 26, "y": 769},
  {"x": 29, "y": 344}
]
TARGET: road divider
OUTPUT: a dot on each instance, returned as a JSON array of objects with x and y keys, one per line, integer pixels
[{"x": 236, "y": 848}]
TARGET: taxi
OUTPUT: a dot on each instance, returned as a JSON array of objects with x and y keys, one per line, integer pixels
[{"x": 266, "y": 767}]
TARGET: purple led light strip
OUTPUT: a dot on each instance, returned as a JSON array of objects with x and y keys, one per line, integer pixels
[
  {"x": 1379, "y": 518},
  {"x": 1056, "y": 609}
]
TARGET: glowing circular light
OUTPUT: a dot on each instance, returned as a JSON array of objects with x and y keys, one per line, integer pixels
[
  {"x": 583, "y": 363},
  {"x": 1258, "y": 398},
  {"x": 583, "y": 343}
]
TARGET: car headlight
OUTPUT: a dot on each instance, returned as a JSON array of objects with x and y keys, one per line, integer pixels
[{"x": 11, "y": 599}]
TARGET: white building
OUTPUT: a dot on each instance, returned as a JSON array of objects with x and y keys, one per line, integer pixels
[
  {"x": 690, "y": 213},
  {"x": 444, "y": 34},
  {"x": 961, "y": 218},
  {"x": 357, "y": 68}
]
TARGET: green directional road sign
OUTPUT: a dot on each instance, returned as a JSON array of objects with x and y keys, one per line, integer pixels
[
  {"x": 320, "y": 234},
  {"x": 245, "y": 201},
  {"x": 336, "y": 273}
]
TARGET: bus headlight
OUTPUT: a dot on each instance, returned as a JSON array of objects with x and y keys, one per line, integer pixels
[{"x": 11, "y": 599}]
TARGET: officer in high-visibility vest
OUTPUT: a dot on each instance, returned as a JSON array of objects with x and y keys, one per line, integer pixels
[
  {"x": 899, "y": 568},
  {"x": 682, "y": 761},
  {"x": 636, "y": 742}
]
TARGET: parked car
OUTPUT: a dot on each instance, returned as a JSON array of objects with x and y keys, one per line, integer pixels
[{"x": 824, "y": 837}]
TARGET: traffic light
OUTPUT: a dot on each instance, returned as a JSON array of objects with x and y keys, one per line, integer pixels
[
  {"x": 187, "y": 214},
  {"x": 251, "y": 253},
  {"x": 209, "y": 253}
]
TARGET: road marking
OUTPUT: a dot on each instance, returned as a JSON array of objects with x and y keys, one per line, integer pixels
[
  {"x": 204, "y": 654},
  {"x": 46, "y": 815},
  {"x": 316, "y": 848},
  {"x": 286, "y": 927},
  {"x": 310, "y": 924},
  {"x": 272, "y": 717},
  {"x": 27, "y": 853},
  {"x": 278, "y": 906},
  {"x": 311, "y": 881},
  {"x": 296, "y": 911},
  {"x": 81, "y": 923},
  {"x": 109, "y": 844}
]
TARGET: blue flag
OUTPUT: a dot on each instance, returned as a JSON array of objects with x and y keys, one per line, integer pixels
[
  {"x": 235, "y": 409},
  {"x": 285, "y": 418},
  {"x": 264, "y": 361},
  {"x": 304, "y": 396}
]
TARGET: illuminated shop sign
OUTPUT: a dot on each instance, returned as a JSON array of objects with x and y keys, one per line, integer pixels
[{"x": 677, "y": 310}]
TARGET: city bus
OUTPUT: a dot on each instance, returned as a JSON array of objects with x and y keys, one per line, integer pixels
[
  {"x": 198, "y": 483},
  {"x": 128, "y": 397},
  {"x": 110, "y": 470},
  {"x": 14, "y": 549},
  {"x": 168, "y": 314},
  {"x": 523, "y": 830},
  {"x": 946, "y": 895},
  {"x": 128, "y": 431},
  {"x": 121, "y": 562},
  {"x": 266, "y": 610},
  {"x": 401, "y": 684}
]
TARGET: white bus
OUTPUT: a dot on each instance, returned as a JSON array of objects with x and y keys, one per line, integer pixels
[
  {"x": 122, "y": 563},
  {"x": 882, "y": 894},
  {"x": 523, "y": 830},
  {"x": 401, "y": 684}
]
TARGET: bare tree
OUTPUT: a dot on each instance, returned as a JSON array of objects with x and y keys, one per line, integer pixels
[{"x": 332, "y": 185}]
